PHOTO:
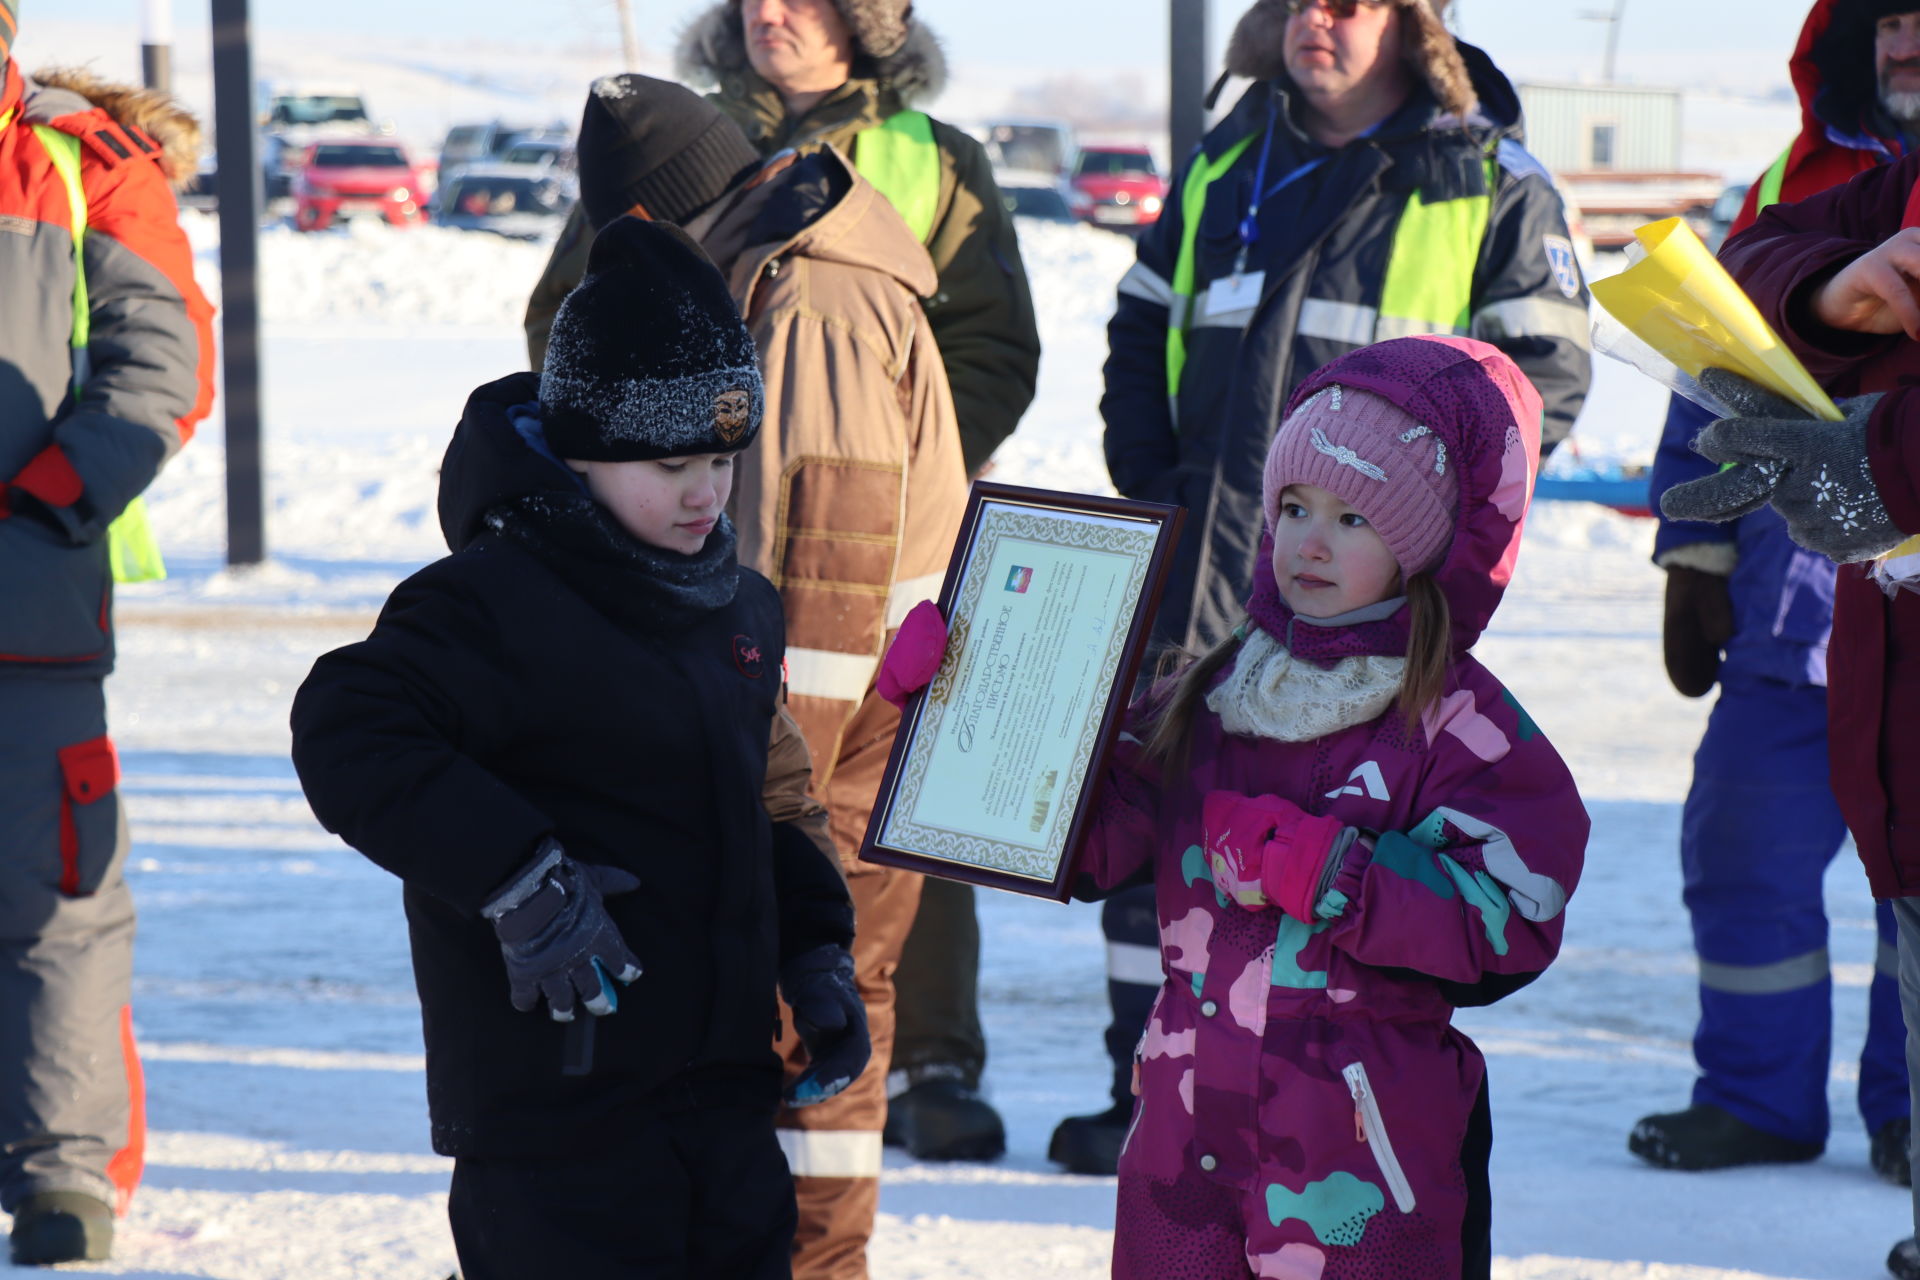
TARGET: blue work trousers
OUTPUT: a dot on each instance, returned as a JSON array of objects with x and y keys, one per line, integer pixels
[{"x": 1759, "y": 829}]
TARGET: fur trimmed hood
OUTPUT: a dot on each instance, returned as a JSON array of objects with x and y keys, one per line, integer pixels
[
  {"x": 155, "y": 114},
  {"x": 712, "y": 48},
  {"x": 1257, "y": 50}
]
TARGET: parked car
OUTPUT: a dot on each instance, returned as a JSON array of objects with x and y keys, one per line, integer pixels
[
  {"x": 1028, "y": 193},
  {"x": 345, "y": 177},
  {"x": 544, "y": 153},
  {"x": 1120, "y": 186},
  {"x": 296, "y": 114},
  {"x": 1043, "y": 145},
  {"x": 521, "y": 201},
  {"x": 483, "y": 143}
]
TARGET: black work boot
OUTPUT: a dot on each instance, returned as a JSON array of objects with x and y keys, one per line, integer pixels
[
  {"x": 61, "y": 1226},
  {"x": 1904, "y": 1262},
  {"x": 1091, "y": 1144},
  {"x": 944, "y": 1118},
  {"x": 1888, "y": 1153},
  {"x": 1706, "y": 1137}
]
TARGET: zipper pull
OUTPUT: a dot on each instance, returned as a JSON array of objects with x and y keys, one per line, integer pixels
[{"x": 1359, "y": 1112}]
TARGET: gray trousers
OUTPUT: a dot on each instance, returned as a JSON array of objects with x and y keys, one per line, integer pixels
[
  {"x": 937, "y": 986},
  {"x": 67, "y": 1076},
  {"x": 1906, "y": 917}
]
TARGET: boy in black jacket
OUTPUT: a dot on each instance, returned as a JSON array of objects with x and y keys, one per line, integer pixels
[{"x": 567, "y": 738}]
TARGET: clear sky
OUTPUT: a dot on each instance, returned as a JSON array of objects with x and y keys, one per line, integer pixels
[{"x": 1655, "y": 37}]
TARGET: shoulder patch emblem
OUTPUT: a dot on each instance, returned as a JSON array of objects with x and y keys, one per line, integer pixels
[
  {"x": 747, "y": 657},
  {"x": 1565, "y": 267}
]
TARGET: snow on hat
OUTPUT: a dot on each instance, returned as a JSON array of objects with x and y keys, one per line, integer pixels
[
  {"x": 649, "y": 358},
  {"x": 658, "y": 145},
  {"x": 1375, "y": 457}
]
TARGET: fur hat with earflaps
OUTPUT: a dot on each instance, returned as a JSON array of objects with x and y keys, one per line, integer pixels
[
  {"x": 1257, "y": 50},
  {"x": 649, "y": 357}
]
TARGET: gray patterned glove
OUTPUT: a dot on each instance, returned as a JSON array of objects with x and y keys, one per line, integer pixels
[
  {"x": 1815, "y": 473},
  {"x": 556, "y": 937}
]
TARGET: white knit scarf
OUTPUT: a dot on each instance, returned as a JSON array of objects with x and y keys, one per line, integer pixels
[{"x": 1269, "y": 695}]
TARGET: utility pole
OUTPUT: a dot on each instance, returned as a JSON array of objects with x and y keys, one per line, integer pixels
[
  {"x": 156, "y": 44},
  {"x": 1187, "y": 78},
  {"x": 629, "y": 41},
  {"x": 239, "y": 195},
  {"x": 1613, "y": 33}
]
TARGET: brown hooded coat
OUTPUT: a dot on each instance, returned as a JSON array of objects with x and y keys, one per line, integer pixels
[
  {"x": 979, "y": 307},
  {"x": 851, "y": 496}
]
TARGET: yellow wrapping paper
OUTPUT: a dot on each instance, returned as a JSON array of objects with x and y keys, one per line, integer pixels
[{"x": 1681, "y": 302}]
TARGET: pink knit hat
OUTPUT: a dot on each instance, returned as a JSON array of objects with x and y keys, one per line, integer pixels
[{"x": 1377, "y": 459}]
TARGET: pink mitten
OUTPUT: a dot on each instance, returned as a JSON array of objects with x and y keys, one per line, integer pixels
[
  {"x": 1266, "y": 851},
  {"x": 914, "y": 657}
]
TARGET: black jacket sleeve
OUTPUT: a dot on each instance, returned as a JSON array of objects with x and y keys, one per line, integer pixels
[
  {"x": 982, "y": 314},
  {"x": 385, "y": 738},
  {"x": 1522, "y": 304},
  {"x": 1140, "y": 438}
]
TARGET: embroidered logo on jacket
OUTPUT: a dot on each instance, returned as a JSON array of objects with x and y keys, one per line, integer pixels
[
  {"x": 746, "y": 656},
  {"x": 1365, "y": 780}
]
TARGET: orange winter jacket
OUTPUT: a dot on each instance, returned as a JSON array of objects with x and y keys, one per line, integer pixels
[
  {"x": 850, "y": 498},
  {"x": 69, "y": 463}
]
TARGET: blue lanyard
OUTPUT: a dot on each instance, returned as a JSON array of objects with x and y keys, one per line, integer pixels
[{"x": 1250, "y": 224}]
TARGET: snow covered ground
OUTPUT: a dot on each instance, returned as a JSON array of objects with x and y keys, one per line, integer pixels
[{"x": 273, "y": 996}]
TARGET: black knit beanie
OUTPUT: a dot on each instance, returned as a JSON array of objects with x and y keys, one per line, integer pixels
[
  {"x": 658, "y": 145},
  {"x": 649, "y": 358}
]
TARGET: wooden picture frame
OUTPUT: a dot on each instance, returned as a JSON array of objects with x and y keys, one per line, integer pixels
[{"x": 1049, "y": 599}]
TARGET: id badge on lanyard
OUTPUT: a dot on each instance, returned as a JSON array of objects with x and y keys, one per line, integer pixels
[{"x": 1242, "y": 290}]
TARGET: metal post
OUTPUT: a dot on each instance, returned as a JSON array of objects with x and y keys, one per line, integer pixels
[
  {"x": 156, "y": 44},
  {"x": 1613, "y": 36},
  {"x": 1187, "y": 81},
  {"x": 239, "y": 195},
  {"x": 629, "y": 41}
]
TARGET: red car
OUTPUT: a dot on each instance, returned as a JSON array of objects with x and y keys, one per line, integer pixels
[
  {"x": 1118, "y": 187},
  {"x": 347, "y": 176}
]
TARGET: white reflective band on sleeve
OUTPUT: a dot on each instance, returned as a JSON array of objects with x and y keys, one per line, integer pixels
[
  {"x": 831, "y": 1153},
  {"x": 909, "y": 592},
  {"x": 1141, "y": 283},
  {"x": 822, "y": 673},
  {"x": 1409, "y": 327},
  {"x": 1131, "y": 962},
  {"x": 1533, "y": 318},
  {"x": 1336, "y": 321}
]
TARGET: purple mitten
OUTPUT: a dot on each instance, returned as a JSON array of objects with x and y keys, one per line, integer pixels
[{"x": 914, "y": 657}]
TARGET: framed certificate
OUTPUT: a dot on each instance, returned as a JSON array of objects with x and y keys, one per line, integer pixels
[{"x": 1049, "y": 600}]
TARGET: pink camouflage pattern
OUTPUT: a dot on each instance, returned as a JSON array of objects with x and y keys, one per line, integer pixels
[{"x": 1303, "y": 1096}]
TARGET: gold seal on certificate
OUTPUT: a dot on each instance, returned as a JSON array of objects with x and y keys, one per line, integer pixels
[{"x": 1049, "y": 601}]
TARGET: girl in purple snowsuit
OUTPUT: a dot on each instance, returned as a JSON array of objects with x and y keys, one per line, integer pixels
[{"x": 1353, "y": 829}]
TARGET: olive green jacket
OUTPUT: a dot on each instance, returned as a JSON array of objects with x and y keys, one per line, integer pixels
[{"x": 981, "y": 312}]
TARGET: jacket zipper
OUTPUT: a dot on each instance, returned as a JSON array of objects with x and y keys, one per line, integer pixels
[{"x": 1370, "y": 1128}]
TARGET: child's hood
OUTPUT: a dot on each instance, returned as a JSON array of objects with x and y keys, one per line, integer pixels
[
  {"x": 1477, "y": 401},
  {"x": 490, "y": 461}
]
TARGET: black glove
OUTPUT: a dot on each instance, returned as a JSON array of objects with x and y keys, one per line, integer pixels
[
  {"x": 1699, "y": 622},
  {"x": 832, "y": 1022},
  {"x": 556, "y": 936},
  {"x": 1814, "y": 473}
]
